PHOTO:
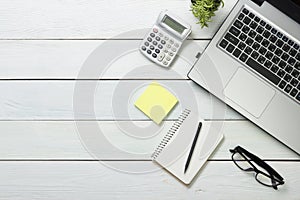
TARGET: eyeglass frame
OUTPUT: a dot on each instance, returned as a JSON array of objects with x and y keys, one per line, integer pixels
[{"x": 276, "y": 179}]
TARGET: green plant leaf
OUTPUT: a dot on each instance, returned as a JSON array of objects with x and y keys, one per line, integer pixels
[{"x": 204, "y": 10}]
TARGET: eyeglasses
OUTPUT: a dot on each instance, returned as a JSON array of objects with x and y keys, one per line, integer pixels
[{"x": 249, "y": 162}]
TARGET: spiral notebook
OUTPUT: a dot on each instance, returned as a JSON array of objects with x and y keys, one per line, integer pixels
[{"x": 173, "y": 150}]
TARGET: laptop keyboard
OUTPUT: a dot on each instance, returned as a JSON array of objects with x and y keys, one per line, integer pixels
[{"x": 266, "y": 50}]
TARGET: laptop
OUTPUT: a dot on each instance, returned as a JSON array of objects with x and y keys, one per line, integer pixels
[{"x": 253, "y": 65}]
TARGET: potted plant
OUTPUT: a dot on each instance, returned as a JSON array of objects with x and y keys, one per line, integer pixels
[{"x": 203, "y": 10}]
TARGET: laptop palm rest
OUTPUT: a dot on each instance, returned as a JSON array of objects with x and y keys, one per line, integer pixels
[{"x": 249, "y": 92}]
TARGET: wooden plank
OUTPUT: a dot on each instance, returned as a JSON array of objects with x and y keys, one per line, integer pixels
[
  {"x": 138, "y": 180},
  {"x": 57, "y": 19},
  {"x": 101, "y": 100},
  {"x": 63, "y": 59},
  {"x": 61, "y": 140}
]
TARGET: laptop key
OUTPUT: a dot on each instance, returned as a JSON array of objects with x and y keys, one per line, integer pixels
[
  {"x": 262, "y": 50},
  {"x": 234, "y": 31},
  {"x": 273, "y": 38},
  {"x": 260, "y": 29},
  {"x": 241, "y": 45},
  {"x": 287, "y": 78},
  {"x": 262, "y": 23},
  {"x": 238, "y": 24},
  {"x": 237, "y": 52},
  {"x": 223, "y": 43},
  {"x": 245, "y": 11},
  {"x": 266, "y": 34},
  {"x": 257, "y": 19},
  {"x": 242, "y": 37},
  {"x": 263, "y": 71},
  {"x": 278, "y": 52},
  {"x": 282, "y": 84},
  {"x": 252, "y": 33},
  {"x": 282, "y": 64},
  {"x": 268, "y": 27},
  {"x": 292, "y": 52},
  {"x": 230, "y": 48},
  {"x": 284, "y": 38},
  {"x": 288, "y": 88},
  {"x": 253, "y": 25},
  {"x": 254, "y": 55},
  {"x": 294, "y": 82},
  {"x": 243, "y": 57},
  {"x": 245, "y": 29},
  {"x": 281, "y": 73},
  {"x": 288, "y": 69},
  {"x": 248, "y": 50},
  {"x": 295, "y": 73},
  {"x": 268, "y": 64},
  {"x": 291, "y": 61},
  {"x": 247, "y": 20},
  {"x": 241, "y": 16},
  {"x": 274, "y": 68},
  {"x": 294, "y": 92},
  {"x": 231, "y": 38}
]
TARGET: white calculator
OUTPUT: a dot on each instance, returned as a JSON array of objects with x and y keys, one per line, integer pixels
[{"x": 164, "y": 40}]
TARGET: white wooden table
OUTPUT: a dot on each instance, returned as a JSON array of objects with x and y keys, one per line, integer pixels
[{"x": 42, "y": 49}]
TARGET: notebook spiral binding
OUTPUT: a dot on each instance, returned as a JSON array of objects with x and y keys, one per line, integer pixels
[{"x": 171, "y": 132}]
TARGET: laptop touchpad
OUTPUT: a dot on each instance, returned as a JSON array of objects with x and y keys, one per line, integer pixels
[{"x": 250, "y": 93}]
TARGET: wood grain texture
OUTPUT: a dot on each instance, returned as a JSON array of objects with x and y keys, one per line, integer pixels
[
  {"x": 137, "y": 180},
  {"x": 101, "y": 100},
  {"x": 61, "y": 140},
  {"x": 63, "y": 59},
  {"x": 93, "y": 19}
]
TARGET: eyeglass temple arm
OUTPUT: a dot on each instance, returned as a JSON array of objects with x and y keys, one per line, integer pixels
[{"x": 260, "y": 162}]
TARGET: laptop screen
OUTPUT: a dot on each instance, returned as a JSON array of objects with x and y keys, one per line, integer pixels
[{"x": 288, "y": 7}]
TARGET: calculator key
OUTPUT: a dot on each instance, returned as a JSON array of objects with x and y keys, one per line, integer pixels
[
  {"x": 157, "y": 51},
  {"x": 160, "y": 35},
  {"x": 152, "y": 47},
  {"x": 149, "y": 51},
  {"x": 157, "y": 38},
  {"x": 171, "y": 54},
  {"x": 171, "y": 41},
  {"x": 154, "y": 42},
  {"x": 146, "y": 44},
  {"x": 174, "y": 49},
  {"x": 163, "y": 42},
  {"x": 160, "y": 56},
  {"x": 152, "y": 34},
  {"x": 176, "y": 45},
  {"x": 168, "y": 58},
  {"x": 166, "y": 38},
  {"x": 168, "y": 46},
  {"x": 154, "y": 55},
  {"x": 149, "y": 39},
  {"x": 160, "y": 46},
  {"x": 143, "y": 48},
  {"x": 165, "y": 63},
  {"x": 155, "y": 30},
  {"x": 166, "y": 50}
]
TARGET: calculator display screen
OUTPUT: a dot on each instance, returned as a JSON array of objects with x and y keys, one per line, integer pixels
[{"x": 173, "y": 24}]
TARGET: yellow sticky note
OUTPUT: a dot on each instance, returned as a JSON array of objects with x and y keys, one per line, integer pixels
[{"x": 156, "y": 102}]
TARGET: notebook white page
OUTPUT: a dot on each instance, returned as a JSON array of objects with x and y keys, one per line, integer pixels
[{"x": 174, "y": 155}]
